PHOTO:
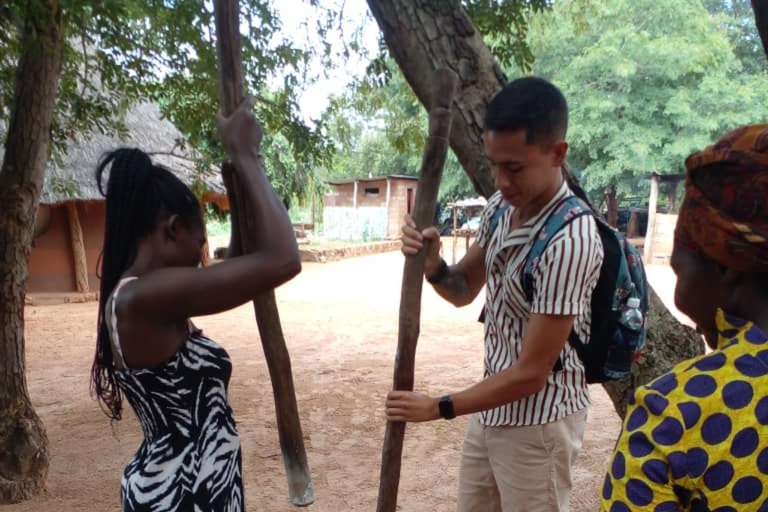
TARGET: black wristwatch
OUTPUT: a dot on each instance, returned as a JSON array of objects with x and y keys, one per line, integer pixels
[
  {"x": 438, "y": 274},
  {"x": 446, "y": 408}
]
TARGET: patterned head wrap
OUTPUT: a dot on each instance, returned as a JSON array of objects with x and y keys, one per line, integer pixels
[{"x": 724, "y": 213}]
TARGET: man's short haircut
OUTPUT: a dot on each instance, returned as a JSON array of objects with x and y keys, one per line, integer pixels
[{"x": 531, "y": 104}]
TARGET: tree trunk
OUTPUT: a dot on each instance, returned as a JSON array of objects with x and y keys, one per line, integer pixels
[
  {"x": 650, "y": 230},
  {"x": 613, "y": 207},
  {"x": 424, "y": 35},
  {"x": 78, "y": 248},
  {"x": 668, "y": 343},
  {"x": 760, "y": 8},
  {"x": 23, "y": 442}
]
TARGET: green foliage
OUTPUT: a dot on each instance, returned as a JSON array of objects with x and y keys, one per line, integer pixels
[
  {"x": 64, "y": 187},
  {"x": 218, "y": 227},
  {"x": 118, "y": 51},
  {"x": 648, "y": 82},
  {"x": 504, "y": 24},
  {"x": 738, "y": 20},
  {"x": 380, "y": 128},
  {"x": 380, "y": 125}
]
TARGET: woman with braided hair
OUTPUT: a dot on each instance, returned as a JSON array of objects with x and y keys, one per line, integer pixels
[
  {"x": 695, "y": 439},
  {"x": 148, "y": 351}
]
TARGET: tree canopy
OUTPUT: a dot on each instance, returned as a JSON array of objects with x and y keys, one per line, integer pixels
[
  {"x": 118, "y": 51},
  {"x": 379, "y": 127},
  {"x": 738, "y": 20},
  {"x": 648, "y": 82}
]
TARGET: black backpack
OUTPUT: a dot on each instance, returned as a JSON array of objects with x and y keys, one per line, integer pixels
[{"x": 611, "y": 349}]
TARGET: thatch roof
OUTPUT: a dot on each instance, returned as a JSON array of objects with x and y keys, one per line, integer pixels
[{"x": 73, "y": 177}]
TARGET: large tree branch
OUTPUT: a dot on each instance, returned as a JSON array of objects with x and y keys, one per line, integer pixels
[
  {"x": 760, "y": 8},
  {"x": 423, "y": 36}
]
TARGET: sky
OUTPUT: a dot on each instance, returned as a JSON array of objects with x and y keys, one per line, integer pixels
[{"x": 296, "y": 16}]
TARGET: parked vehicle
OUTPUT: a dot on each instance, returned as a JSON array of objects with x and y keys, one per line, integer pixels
[{"x": 444, "y": 221}]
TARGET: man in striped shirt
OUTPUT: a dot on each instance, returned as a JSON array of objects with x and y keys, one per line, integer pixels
[{"x": 530, "y": 411}]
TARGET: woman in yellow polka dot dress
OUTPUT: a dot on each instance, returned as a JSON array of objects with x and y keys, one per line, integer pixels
[{"x": 696, "y": 439}]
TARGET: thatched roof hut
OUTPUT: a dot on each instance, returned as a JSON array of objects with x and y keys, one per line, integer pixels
[
  {"x": 73, "y": 176},
  {"x": 70, "y": 220}
]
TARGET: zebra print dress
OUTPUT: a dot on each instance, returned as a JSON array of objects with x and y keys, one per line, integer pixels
[{"x": 190, "y": 459}]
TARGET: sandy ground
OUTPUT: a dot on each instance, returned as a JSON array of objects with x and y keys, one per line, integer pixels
[{"x": 340, "y": 322}]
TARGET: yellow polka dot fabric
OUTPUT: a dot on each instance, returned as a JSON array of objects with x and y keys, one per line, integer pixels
[{"x": 696, "y": 438}]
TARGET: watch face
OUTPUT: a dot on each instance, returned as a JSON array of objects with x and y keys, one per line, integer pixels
[{"x": 446, "y": 408}]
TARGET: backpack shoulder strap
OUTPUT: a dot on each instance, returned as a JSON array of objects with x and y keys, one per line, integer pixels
[
  {"x": 497, "y": 217},
  {"x": 566, "y": 211},
  {"x": 491, "y": 229}
]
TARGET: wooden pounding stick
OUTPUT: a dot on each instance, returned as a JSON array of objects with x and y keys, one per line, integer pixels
[
  {"x": 300, "y": 487},
  {"x": 435, "y": 152}
]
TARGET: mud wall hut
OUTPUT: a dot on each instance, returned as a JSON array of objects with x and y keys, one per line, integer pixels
[{"x": 69, "y": 225}]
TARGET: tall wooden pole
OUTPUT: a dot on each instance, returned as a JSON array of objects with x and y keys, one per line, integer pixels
[
  {"x": 435, "y": 152},
  {"x": 672, "y": 196},
  {"x": 78, "y": 248},
  {"x": 650, "y": 231},
  {"x": 633, "y": 226},
  {"x": 300, "y": 485},
  {"x": 453, "y": 233}
]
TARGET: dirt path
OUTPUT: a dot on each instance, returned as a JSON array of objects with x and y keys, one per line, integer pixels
[{"x": 340, "y": 320}]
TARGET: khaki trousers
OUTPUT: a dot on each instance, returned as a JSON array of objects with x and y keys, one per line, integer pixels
[{"x": 519, "y": 469}]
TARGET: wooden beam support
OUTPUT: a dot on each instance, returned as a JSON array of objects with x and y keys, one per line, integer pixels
[
  {"x": 633, "y": 226},
  {"x": 453, "y": 233},
  {"x": 389, "y": 200},
  {"x": 651, "y": 229},
  {"x": 300, "y": 487},
  {"x": 672, "y": 196},
  {"x": 78, "y": 247},
  {"x": 435, "y": 152}
]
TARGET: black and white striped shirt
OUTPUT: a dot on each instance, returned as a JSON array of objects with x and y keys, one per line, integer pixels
[{"x": 564, "y": 279}]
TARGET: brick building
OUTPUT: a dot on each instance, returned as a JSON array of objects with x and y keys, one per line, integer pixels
[{"x": 368, "y": 208}]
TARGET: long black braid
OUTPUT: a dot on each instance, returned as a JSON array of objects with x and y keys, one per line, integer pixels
[{"x": 139, "y": 195}]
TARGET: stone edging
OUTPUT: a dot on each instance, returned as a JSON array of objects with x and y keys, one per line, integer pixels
[{"x": 351, "y": 251}]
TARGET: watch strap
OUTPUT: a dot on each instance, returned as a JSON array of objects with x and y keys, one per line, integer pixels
[{"x": 438, "y": 274}]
